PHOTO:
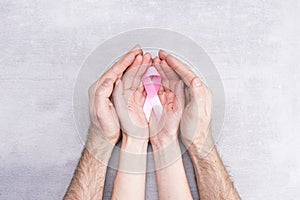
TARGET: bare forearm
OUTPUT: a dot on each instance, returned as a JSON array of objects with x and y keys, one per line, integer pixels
[
  {"x": 131, "y": 176},
  {"x": 170, "y": 174},
  {"x": 88, "y": 180},
  {"x": 212, "y": 178}
]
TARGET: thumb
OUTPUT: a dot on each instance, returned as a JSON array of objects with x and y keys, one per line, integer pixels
[
  {"x": 103, "y": 92},
  {"x": 198, "y": 92},
  {"x": 179, "y": 96},
  {"x": 118, "y": 96}
]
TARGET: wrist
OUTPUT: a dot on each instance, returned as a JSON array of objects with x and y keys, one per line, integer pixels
[
  {"x": 166, "y": 155},
  {"x": 99, "y": 147},
  {"x": 133, "y": 144},
  {"x": 133, "y": 154},
  {"x": 163, "y": 139},
  {"x": 201, "y": 148}
]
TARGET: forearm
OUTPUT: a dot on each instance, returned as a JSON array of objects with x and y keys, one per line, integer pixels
[
  {"x": 170, "y": 174},
  {"x": 212, "y": 178},
  {"x": 130, "y": 180},
  {"x": 88, "y": 180},
  {"x": 89, "y": 177}
]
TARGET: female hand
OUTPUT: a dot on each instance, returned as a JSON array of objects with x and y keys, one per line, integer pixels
[
  {"x": 171, "y": 95},
  {"x": 129, "y": 98}
]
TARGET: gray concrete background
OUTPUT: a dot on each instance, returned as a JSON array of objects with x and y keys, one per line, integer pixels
[{"x": 255, "y": 46}]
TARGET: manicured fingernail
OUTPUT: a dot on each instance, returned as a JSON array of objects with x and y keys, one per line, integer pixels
[{"x": 107, "y": 82}]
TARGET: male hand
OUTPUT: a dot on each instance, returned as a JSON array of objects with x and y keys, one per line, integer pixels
[
  {"x": 104, "y": 120},
  {"x": 195, "y": 124}
]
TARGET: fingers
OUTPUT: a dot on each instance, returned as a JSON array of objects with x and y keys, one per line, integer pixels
[
  {"x": 118, "y": 96},
  {"x": 105, "y": 88},
  {"x": 120, "y": 66},
  {"x": 201, "y": 96},
  {"x": 164, "y": 79},
  {"x": 146, "y": 62},
  {"x": 104, "y": 85},
  {"x": 199, "y": 92},
  {"x": 103, "y": 92},
  {"x": 162, "y": 95},
  {"x": 140, "y": 96},
  {"x": 182, "y": 69},
  {"x": 170, "y": 75},
  {"x": 128, "y": 76},
  {"x": 179, "y": 97}
]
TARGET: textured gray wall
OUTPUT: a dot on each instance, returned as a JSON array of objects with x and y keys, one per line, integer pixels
[{"x": 255, "y": 45}]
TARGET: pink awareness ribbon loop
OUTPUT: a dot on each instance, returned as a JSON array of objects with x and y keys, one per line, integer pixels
[{"x": 152, "y": 82}]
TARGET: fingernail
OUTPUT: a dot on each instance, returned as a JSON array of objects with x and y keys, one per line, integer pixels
[
  {"x": 197, "y": 82},
  {"x": 107, "y": 82}
]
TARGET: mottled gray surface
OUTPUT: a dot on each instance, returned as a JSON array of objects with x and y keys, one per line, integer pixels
[{"x": 255, "y": 45}]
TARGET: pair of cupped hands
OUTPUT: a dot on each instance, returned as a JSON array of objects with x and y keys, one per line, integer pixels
[{"x": 117, "y": 99}]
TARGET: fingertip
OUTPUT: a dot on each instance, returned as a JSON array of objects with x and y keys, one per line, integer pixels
[
  {"x": 146, "y": 58},
  {"x": 196, "y": 82},
  {"x": 156, "y": 59},
  {"x": 139, "y": 57},
  {"x": 136, "y": 50},
  {"x": 147, "y": 54},
  {"x": 136, "y": 47},
  {"x": 162, "y": 54}
]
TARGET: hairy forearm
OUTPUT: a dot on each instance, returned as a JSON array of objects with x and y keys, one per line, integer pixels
[
  {"x": 130, "y": 180},
  {"x": 89, "y": 177},
  {"x": 212, "y": 178},
  {"x": 88, "y": 180},
  {"x": 170, "y": 174}
]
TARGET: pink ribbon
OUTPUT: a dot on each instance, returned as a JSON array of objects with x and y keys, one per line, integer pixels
[{"x": 152, "y": 81}]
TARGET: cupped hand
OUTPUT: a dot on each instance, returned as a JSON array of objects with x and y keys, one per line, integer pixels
[
  {"x": 171, "y": 94},
  {"x": 129, "y": 97},
  {"x": 103, "y": 116},
  {"x": 195, "y": 123}
]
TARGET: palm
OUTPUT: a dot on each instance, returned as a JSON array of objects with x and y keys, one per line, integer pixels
[
  {"x": 129, "y": 98},
  {"x": 171, "y": 114},
  {"x": 172, "y": 99},
  {"x": 135, "y": 101}
]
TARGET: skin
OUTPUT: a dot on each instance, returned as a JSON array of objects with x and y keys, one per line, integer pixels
[
  {"x": 104, "y": 132},
  {"x": 164, "y": 137},
  {"x": 212, "y": 178},
  {"x": 129, "y": 98}
]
